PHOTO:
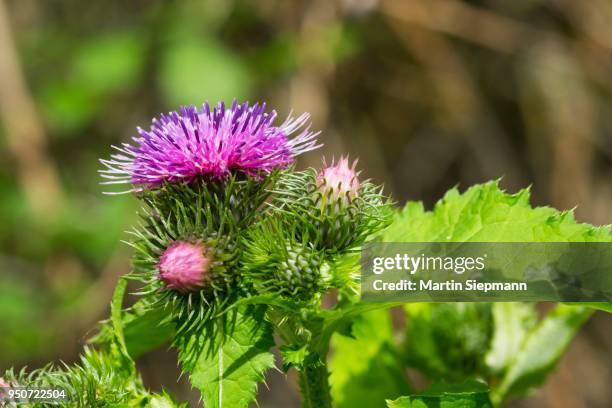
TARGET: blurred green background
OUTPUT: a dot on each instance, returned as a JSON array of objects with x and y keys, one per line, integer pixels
[{"x": 427, "y": 93}]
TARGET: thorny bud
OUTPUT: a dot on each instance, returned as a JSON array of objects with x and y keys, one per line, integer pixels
[
  {"x": 340, "y": 180},
  {"x": 185, "y": 266}
]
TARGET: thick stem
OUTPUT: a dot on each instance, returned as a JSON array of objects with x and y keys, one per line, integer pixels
[{"x": 314, "y": 384}]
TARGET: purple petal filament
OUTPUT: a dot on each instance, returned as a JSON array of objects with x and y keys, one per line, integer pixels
[{"x": 181, "y": 146}]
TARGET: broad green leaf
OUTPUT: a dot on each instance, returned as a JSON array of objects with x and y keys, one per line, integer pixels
[
  {"x": 144, "y": 329},
  {"x": 469, "y": 394},
  {"x": 541, "y": 350},
  {"x": 366, "y": 369},
  {"x": 484, "y": 213},
  {"x": 511, "y": 322},
  {"x": 231, "y": 360},
  {"x": 447, "y": 340}
]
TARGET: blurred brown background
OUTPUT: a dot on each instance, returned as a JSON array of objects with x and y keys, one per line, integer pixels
[{"x": 427, "y": 93}]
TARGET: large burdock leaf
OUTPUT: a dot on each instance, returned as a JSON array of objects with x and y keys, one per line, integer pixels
[
  {"x": 521, "y": 352},
  {"x": 227, "y": 361},
  {"x": 485, "y": 213}
]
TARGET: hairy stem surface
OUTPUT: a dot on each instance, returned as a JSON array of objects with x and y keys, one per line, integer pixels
[{"x": 314, "y": 384}]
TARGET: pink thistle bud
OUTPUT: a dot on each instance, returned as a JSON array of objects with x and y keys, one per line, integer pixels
[
  {"x": 4, "y": 384},
  {"x": 184, "y": 266},
  {"x": 340, "y": 179}
]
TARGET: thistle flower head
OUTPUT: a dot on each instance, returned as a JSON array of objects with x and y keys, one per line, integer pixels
[
  {"x": 340, "y": 179},
  {"x": 184, "y": 266},
  {"x": 191, "y": 143}
]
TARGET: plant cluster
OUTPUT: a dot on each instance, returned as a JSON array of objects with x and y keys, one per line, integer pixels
[{"x": 237, "y": 252}]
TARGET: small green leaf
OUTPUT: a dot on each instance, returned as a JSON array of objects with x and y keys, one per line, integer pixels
[
  {"x": 231, "y": 359},
  {"x": 511, "y": 321},
  {"x": 163, "y": 400},
  {"x": 469, "y": 394},
  {"x": 401, "y": 402},
  {"x": 293, "y": 356},
  {"x": 116, "y": 316},
  {"x": 603, "y": 306},
  {"x": 366, "y": 369},
  {"x": 541, "y": 350},
  {"x": 271, "y": 300}
]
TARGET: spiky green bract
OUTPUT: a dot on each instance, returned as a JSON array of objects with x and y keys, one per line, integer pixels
[
  {"x": 234, "y": 200},
  {"x": 195, "y": 219},
  {"x": 100, "y": 379},
  {"x": 280, "y": 259},
  {"x": 334, "y": 222}
]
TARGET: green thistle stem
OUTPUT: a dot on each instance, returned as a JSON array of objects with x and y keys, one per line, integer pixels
[{"x": 314, "y": 384}]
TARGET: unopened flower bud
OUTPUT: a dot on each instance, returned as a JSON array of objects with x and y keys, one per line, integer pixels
[
  {"x": 340, "y": 179},
  {"x": 185, "y": 266},
  {"x": 4, "y": 384}
]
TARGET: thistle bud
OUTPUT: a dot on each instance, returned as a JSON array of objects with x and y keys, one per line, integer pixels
[
  {"x": 275, "y": 263},
  {"x": 185, "y": 266},
  {"x": 301, "y": 272},
  {"x": 339, "y": 180},
  {"x": 4, "y": 384},
  {"x": 337, "y": 210}
]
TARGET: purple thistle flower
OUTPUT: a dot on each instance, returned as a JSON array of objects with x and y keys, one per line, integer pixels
[
  {"x": 184, "y": 266},
  {"x": 184, "y": 145}
]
